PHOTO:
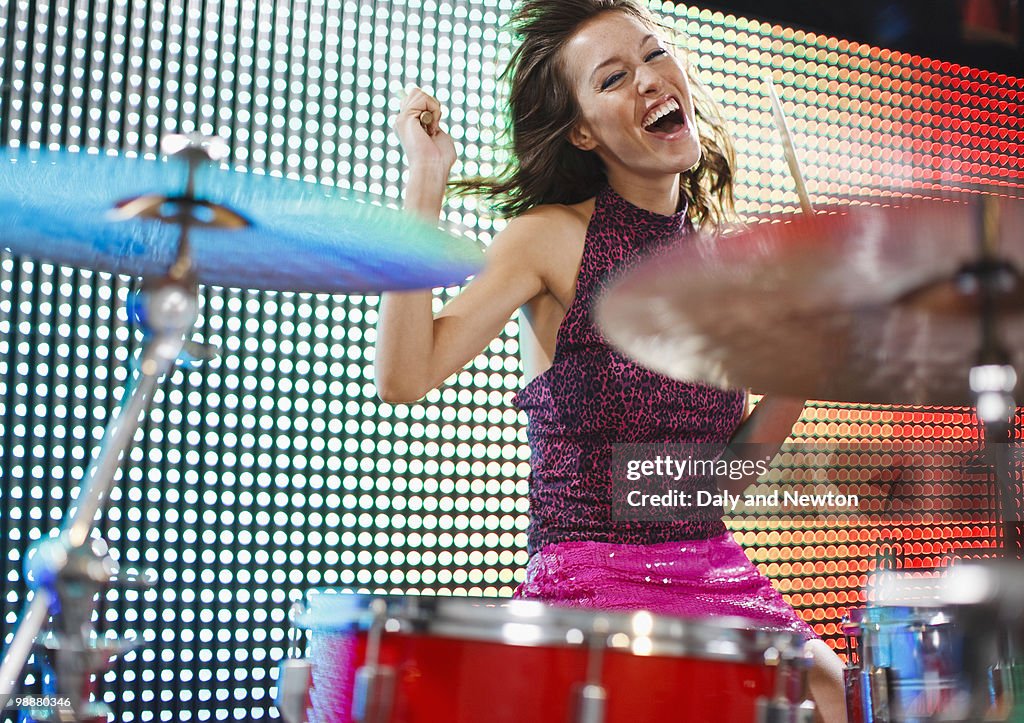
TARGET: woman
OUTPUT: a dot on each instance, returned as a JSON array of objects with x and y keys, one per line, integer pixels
[{"x": 610, "y": 165}]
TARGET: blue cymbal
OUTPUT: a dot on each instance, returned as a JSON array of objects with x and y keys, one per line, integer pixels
[{"x": 55, "y": 206}]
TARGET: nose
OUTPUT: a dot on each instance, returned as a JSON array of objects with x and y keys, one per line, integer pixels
[{"x": 648, "y": 81}]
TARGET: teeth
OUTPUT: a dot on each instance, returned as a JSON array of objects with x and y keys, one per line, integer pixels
[{"x": 660, "y": 112}]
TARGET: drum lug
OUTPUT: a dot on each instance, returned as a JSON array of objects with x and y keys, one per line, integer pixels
[
  {"x": 853, "y": 683},
  {"x": 590, "y": 704},
  {"x": 374, "y": 691},
  {"x": 592, "y": 697},
  {"x": 375, "y": 683},
  {"x": 294, "y": 680},
  {"x": 880, "y": 680},
  {"x": 785, "y": 706}
]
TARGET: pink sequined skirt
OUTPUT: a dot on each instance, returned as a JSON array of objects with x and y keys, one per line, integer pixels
[{"x": 691, "y": 578}]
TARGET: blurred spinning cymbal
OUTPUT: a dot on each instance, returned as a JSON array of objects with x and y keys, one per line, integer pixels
[
  {"x": 857, "y": 304},
  {"x": 55, "y": 206}
]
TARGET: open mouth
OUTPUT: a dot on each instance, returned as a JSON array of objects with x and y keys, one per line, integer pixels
[{"x": 666, "y": 119}]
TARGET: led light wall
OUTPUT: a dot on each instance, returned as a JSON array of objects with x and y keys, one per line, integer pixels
[
  {"x": 868, "y": 124},
  {"x": 276, "y": 469}
]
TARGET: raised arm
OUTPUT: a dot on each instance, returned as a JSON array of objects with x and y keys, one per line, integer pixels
[{"x": 415, "y": 351}]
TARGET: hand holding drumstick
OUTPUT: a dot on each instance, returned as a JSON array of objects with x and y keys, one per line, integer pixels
[
  {"x": 419, "y": 128},
  {"x": 429, "y": 152}
]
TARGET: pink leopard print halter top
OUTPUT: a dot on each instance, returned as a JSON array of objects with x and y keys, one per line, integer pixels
[{"x": 593, "y": 397}]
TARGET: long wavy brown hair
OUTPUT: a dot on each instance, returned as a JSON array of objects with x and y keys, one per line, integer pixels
[{"x": 546, "y": 167}]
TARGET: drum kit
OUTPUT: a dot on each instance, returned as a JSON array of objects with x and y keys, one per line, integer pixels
[
  {"x": 915, "y": 302},
  {"x": 445, "y": 660},
  {"x": 84, "y": 210}
]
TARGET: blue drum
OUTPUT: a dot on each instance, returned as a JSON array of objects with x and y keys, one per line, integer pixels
[{"x": 906, "y": 664}]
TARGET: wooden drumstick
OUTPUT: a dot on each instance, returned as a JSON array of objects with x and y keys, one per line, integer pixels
[
  {"x": 788, "y": 149},
  {"x": 426, "y": 118}
]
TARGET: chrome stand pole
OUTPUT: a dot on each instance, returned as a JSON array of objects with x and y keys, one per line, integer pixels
[{"x": 67, "y": 572}]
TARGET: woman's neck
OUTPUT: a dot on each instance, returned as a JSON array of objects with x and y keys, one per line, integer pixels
[{"x": 661, "y": 195}]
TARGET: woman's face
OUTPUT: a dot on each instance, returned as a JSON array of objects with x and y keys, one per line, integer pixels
[{"x": 638, "y": 115}]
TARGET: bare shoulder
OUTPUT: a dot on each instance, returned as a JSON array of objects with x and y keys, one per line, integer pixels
[
  {"x": 546, "y": 235},
  {"x": 560, "y": 218}
]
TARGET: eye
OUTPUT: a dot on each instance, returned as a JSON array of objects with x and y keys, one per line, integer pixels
[
  {"x": 611, "y": 80},
  {"x": 658, "y": 52}
]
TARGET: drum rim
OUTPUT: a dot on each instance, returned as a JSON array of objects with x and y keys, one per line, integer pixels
[
  {"x": 527, "y": 623},
  {"x": 860, "y": 618}
]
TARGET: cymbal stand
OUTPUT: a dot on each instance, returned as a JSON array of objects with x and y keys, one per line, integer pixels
[
  {"x": 67, "y": 572},
  {"x": 992, "y": 380}
]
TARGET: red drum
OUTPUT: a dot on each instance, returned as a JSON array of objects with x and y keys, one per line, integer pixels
[{"x": 476, "y": 660}]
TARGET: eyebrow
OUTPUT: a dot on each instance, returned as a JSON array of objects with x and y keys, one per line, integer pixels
[{"x": 614, "y": 59}]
